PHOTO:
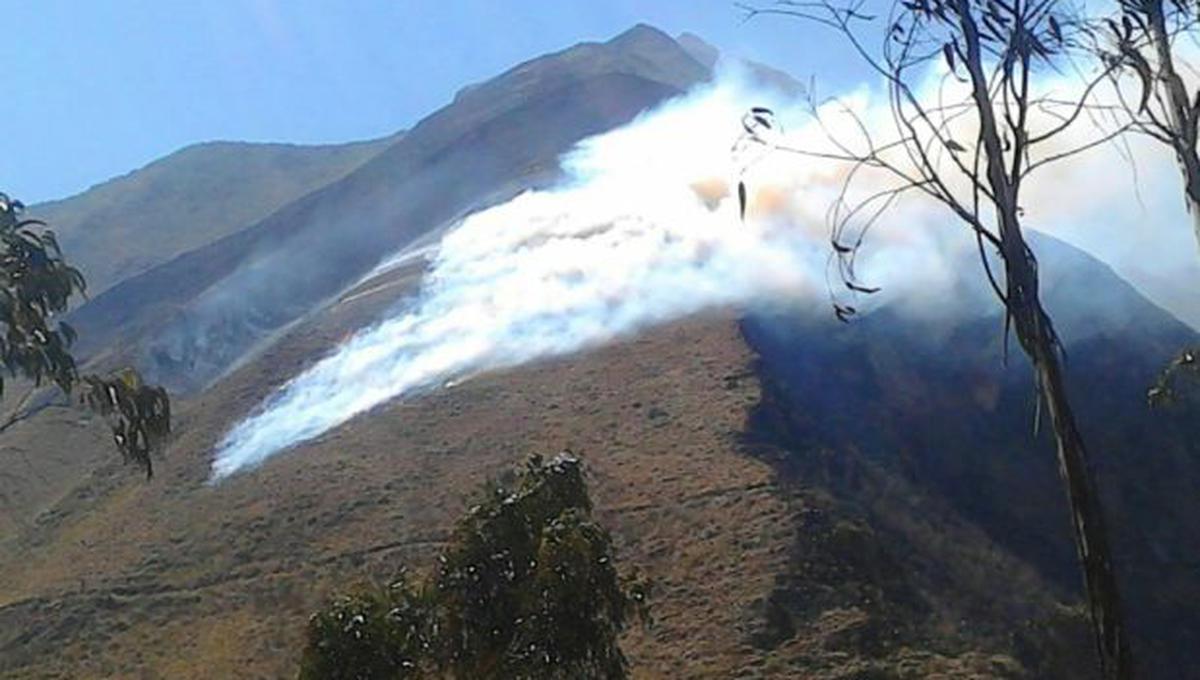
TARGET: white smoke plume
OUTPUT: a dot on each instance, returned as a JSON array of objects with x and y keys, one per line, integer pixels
[{"x": 646, "y": 230}]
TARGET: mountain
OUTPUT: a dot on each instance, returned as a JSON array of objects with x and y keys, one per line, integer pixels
[
  {"x": 937, "y": 409},
  {"x": 260, "y": 260},
  {"x": 197, "y": 195},
  {"x": 811, "y": 499},
  {"x": 189, "y": 319}
]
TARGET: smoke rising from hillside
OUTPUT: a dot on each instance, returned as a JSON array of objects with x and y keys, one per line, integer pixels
[{"x": 646, "y": 230}]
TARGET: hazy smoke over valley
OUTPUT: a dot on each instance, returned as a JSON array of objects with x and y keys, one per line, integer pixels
[{"x": 646, "y": 230}]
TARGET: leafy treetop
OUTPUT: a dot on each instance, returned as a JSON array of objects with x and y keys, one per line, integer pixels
[{"x": 526, "y": 588}]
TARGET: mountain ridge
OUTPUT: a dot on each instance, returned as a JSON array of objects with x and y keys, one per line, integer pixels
[{"x": 131, "y": 223}]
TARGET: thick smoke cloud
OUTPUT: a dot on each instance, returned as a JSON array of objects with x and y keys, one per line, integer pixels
[
  {"x": 646, "y": 230},
  {"x": 643, "y": 231}
]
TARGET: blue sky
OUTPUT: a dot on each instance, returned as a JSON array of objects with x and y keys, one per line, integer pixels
[{"x": 97, "y": 89}]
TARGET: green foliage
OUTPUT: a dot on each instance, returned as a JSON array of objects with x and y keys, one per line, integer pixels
[
  {"x": 370, "y": 633},
  {"x": 526, "y": 588},
  {"x": 36, "y": 284},
  {"x": 139, "y": 414}
]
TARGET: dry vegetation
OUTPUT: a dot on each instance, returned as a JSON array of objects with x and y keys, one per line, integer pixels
[
  {"x": 181, "y": 572},
  {"x": 756, "y": 577}
]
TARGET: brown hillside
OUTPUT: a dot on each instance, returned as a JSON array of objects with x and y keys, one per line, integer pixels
[
  {"x": 196, "y": 581},
  {"x": 178, "y": 579}
]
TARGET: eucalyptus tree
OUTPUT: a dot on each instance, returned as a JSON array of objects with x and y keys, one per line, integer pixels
[
  {"x": 37, "y": 285},
  {"x": 1150, "y": 47},
  {"x": 971, "y": 145},
  {"x": 1148, "y": 38}
]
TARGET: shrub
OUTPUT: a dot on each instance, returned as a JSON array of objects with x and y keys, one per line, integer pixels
[{"x": 526, "y": 588}]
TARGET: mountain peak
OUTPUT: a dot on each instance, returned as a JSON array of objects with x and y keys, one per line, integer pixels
[
  {"x": 641, "y": 33},
  {"x": 699, "y": 49},
  {"x": 643, "y": 51}
]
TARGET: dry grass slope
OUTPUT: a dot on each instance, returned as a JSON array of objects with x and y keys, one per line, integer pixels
[{"x": 179, "y": 579}]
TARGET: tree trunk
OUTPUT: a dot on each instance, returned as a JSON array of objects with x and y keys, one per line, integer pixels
[
  {"x": 1193, "y": 206},
  {"x": 1087, "y": 515},
  {"x": 1036, "y": 336},
  {"x": 1182, "y": 116}
]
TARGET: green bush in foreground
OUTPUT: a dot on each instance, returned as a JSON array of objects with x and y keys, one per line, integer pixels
[{"x": 526, "y": 588}]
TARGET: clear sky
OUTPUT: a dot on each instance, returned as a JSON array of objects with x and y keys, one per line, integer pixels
[{"x": 96, "y": 89}]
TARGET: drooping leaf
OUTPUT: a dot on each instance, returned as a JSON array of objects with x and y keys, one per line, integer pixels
[
  {"x": 139, "y": 415},
  {"x": 868, "y": 290},
  {"x": 1055, "y": 29}
]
